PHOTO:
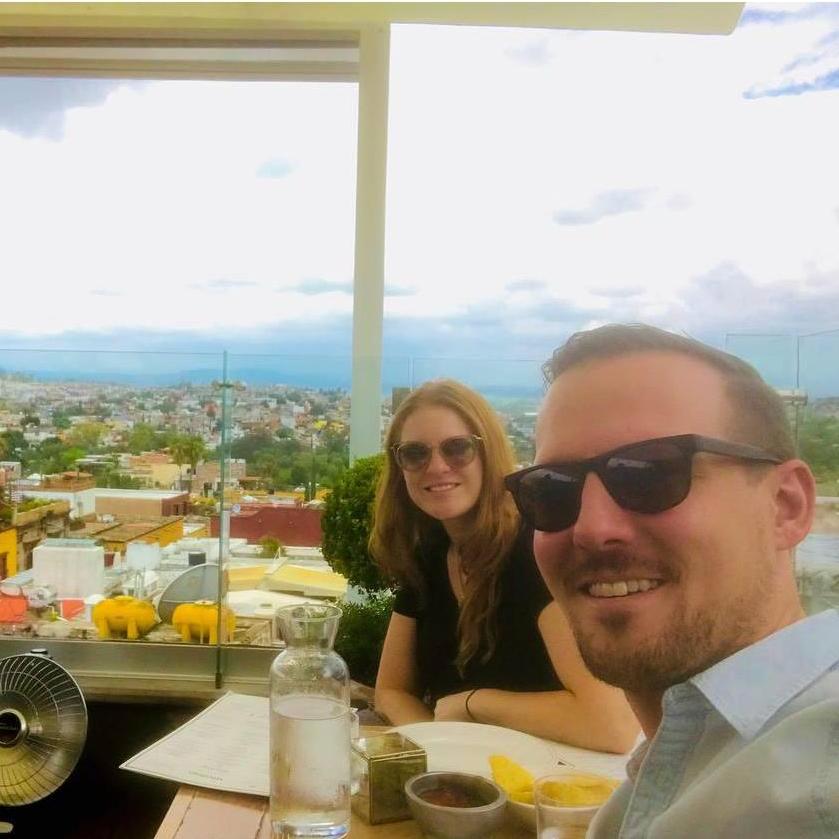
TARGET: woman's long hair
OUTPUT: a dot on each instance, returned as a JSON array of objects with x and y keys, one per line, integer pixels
[{"x": 401, "y": 529}]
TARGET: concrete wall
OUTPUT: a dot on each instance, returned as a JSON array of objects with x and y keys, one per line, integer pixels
[
  {"x": 139, "y": 506},
  {"x": 82, "y": 503},
  {"x": 291, "y": 525}
]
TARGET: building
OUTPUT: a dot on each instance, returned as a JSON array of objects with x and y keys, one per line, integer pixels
[
  {"x": 11, "y": 469},
  {"x": 291, "y": 525},
  {"x": 77, "y": 489},
  {"x": 155, "y": 469},
  {"x": 116, "y": 534},
  {"x": 50, "y": 519},
  {"x": 207, "y": 475},
  {"x": 8, "y": 552},
  {"x": 141, "y": 503}
]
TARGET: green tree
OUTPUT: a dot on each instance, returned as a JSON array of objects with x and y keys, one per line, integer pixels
[
  {"x": 187, "y": 449},
  {"x": 141, "y": 438},
  {"x": 60, "y": 420},
  {"x": 115, "y": 479},
  {"x": 818, "y": 443},
  {"x": 196, "y": 451},
  {"x": 347, "y": 521},
  {"x": 86, "y": 435},
  {"x": 248, "y": 446},
  {"x": 53, "y": 455}
]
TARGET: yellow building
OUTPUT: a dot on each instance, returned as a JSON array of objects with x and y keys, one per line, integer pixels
[
  {"x": 8, "y": 552},
  {"x": 116, "y": 535},
  {"x": 156, "y": 473}
]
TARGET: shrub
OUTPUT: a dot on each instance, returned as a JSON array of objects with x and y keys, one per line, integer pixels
[
  {"x": 346, "y": 523},
  {"x": 270, "y": 547},
  {"x": 361, "y": 634}
]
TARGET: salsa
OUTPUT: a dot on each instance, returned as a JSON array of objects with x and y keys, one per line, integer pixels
[{"x": 451, "y": 795}]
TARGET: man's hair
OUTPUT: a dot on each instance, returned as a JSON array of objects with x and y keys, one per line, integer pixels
[{"x": 758, "y": 414}]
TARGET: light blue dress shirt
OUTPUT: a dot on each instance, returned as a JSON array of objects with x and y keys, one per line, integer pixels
[{"x": 748, "y": 749}]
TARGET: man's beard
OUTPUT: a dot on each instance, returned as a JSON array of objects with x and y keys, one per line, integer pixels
[
  {"x": 651, "y": 666},
  {"x": 688, "y": 641}
]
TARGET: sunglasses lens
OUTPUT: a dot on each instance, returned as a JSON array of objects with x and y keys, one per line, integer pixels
[
  {"x": 413, "y": 456},
  {"x": 548, "y": 499},
  {"x": 650, "y": 478},
  {"x": 458, "y": 451}
]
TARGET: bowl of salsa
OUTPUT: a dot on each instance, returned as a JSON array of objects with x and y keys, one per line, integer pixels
[{"x": 455, "y": 805}]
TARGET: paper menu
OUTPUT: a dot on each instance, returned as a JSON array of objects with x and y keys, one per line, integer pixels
[{"x": 224, "y": 747}]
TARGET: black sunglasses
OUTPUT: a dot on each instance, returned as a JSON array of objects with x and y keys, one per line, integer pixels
[
  {"x": 456, "y": 451},
  {"x": 645, "y": 477}
]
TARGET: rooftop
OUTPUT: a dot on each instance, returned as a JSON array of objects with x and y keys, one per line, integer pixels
[{"x": 151, "y": 494}]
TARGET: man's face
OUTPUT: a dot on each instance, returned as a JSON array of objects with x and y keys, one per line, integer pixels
[{"x": 706, "y": 569}]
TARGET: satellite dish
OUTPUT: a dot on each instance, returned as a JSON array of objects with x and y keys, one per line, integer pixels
[
  {"x": 43, "y": 727},
  {"x": 200, "y": 582}
]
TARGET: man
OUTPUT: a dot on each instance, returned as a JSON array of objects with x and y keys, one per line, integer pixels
[{"x": 667, "y": 501}]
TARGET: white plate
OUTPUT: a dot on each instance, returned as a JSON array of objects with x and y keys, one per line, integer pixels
[{"x": 466, "y": 747}]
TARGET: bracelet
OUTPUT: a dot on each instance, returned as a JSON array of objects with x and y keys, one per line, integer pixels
[{"x": 468, "y": 711}]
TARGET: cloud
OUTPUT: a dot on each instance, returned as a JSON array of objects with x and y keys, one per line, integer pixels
[
  {"x": 274, "y": 168},
  {"x": 775, "y": 15},
  {"x": 486, "y": 344},
  {"x": 814, "y": 66},
  {"x": 106, "y": 292},
  {"x": 533, "y": 53},
  {"x": 222, "y": 285},
  {"x": 618, "y": 293},
  {"x": 678, "y": 201},
  {"x": 525, "y": 285},
  {"x": 828, "y": 81},
  {"x": 399, "y": 291},
  {"x": 726, "y": 299},
  {"x": 613, "y": 202},
  {"x": 825, "y": 47},
  {"x": 319, "y": 286},
  {"x": 35, "y": 107}
]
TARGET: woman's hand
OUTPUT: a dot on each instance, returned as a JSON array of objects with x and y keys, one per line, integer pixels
[{"x": 452, "y": 708}]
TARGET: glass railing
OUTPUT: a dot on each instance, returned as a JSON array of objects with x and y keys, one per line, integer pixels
[
  {"x": 514, "y": 387},
  {"x": 110, "y": 468},
  {"x": 803, "y": 368},
  {"x": 175, "y": 501}
]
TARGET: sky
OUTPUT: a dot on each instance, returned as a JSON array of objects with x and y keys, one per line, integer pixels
[{"x": 539, "y": 182}]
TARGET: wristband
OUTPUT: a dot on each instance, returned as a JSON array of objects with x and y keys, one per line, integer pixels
[{"x": 468, "y": 711}]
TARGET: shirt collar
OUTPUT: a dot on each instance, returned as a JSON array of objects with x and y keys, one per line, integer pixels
[{"x": 749, "y": 687}]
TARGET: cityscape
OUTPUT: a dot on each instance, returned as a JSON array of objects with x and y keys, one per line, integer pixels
[{"x": 112, "y": 490}]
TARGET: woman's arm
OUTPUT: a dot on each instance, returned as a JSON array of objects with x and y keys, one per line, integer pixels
[
  {"x": 587, "y": 712},
  {"x": 397, "y": 685}
]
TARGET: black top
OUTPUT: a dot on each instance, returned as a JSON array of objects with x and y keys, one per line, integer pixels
[{"x": 520, "y": 661}]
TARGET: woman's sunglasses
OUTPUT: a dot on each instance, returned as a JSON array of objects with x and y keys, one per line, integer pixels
[
  {"x": 645, "y": 477},
  {"x": 456, "y": 451}
]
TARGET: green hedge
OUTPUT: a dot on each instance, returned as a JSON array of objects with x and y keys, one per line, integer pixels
[
  {"x": 361, "y": 634},
  {"x": 346, "y": 523}
]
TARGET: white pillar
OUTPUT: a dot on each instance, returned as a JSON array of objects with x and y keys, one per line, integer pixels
[{"x": 368, "y": 291}]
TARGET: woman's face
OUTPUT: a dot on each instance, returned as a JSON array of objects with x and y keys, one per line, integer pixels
[{"x": 443, "y": 491}]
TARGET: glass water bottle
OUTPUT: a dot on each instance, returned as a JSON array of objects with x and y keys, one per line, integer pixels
[{"x": 310, "y": 727}]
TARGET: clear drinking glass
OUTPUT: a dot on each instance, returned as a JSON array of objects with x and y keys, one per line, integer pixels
[
  {"x": 310, "y": 728},
  {"x": 555, "y": 817}
]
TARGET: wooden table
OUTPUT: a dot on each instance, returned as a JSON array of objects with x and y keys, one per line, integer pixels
[
  {"x": 197, "y": 813},
  {"x": 206, "y": 814}
]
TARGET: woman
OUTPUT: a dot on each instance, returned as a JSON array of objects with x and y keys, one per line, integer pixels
[{"x": 474, "y": 634}]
